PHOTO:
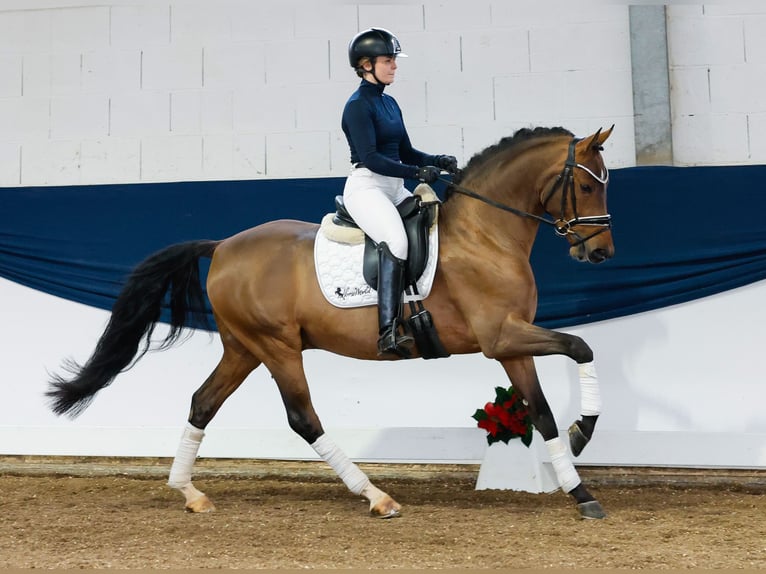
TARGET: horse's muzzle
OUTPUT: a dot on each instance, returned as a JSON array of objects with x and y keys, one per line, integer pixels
[{"x": 597, "y": 255}]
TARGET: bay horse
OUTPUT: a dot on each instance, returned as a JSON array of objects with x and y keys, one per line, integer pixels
[{"x": 268, "y": 307}]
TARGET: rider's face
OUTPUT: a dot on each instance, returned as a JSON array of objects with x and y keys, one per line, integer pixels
[{"x": 385, "y": 69}]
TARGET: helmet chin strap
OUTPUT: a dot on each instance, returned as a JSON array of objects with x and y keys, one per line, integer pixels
[{"x": 372, "y": 72}]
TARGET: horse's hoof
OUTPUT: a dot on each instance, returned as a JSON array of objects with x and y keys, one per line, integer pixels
[
  {"x": 591, "y": 510},
  {"x": 201, "y": 504},
  {"x": 386, "y": 509},
  {"x": 577, "y": 439}
]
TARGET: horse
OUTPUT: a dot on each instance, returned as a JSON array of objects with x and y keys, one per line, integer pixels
[{"x": 268, "y": 309}]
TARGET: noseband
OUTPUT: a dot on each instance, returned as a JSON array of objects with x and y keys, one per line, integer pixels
[{"x": 565, "y": 180}]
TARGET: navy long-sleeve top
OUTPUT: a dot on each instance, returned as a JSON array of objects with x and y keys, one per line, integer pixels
[{"x": 374, "y": 128}]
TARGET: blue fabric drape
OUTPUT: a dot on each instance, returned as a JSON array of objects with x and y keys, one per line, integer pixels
[{"x": 680, "y": 234}]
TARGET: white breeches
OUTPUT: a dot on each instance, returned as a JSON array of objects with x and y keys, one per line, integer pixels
[{"x": 371, "y": 199}]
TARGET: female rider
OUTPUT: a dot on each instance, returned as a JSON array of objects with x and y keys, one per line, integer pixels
[{"x": 382, "y": 157}]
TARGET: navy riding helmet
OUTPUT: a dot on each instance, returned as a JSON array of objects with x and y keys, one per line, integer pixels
[{"x": 371, "y": 43}]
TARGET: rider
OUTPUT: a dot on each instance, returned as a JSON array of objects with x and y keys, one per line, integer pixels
[{"x": 381, "y": 157}]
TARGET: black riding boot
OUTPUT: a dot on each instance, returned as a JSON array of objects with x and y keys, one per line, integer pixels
[{"x": 390, "y": 287}]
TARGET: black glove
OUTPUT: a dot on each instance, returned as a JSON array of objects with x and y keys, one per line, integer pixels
[
  {"x": 446, "y": 162},
  {"x": 428, "y": 173}
]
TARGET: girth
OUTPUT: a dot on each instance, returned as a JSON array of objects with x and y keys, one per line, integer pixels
[{"x": 417, "y": 216}]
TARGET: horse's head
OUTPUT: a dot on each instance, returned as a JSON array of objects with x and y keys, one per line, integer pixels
[{"x": 578, "y": 200}]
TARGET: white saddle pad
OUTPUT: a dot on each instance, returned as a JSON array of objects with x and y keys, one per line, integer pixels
[{"x": 339, "y": 269}]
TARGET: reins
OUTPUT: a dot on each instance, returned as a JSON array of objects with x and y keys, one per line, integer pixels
[{"x": 565, "y": 180}]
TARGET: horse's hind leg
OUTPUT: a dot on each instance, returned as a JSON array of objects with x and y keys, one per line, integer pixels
[
  {"x": 523, "y": 376},
  {"x": 287, "y": 370},
  {"x": 222, "y": 382}
]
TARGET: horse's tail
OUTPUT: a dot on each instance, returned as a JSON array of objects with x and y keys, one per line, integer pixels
[{"x": 134, "y": 317}]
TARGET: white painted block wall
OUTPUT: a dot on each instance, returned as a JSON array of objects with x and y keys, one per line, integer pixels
[
  {"x": 145, "y": 91},
  {"x": 717, "y": 60}
]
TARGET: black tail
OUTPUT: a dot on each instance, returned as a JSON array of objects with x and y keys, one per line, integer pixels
[{"x": 134, "y": 317}]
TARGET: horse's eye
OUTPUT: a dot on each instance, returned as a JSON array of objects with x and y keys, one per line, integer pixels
[{"x": 586, "y": 188}]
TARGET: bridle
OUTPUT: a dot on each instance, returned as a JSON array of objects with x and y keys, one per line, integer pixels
[{"x": 565, "y": 181}]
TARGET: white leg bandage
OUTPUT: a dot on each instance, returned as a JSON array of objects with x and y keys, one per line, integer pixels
[
  {"x": 562, "y": 464},
  {"x": 589, "y": 392},
  {"x": 349, "y": 473},
  {"x": 180, "y": 472}
]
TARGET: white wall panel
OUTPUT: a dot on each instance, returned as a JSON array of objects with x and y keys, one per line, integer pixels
[
  {"x": 268, "y": 67},
  {"x": 443, "y": 15},
  {"x": 309, "y": 149},
  {"x": 320, "y": 111},
  {"x": 403, "y": 17},
  {"x": 50, "y": 162},
  {"x": 442, "y": 139},
  {"x": 10, "y": 72},
  {"x": 79, "y": 116},
  {"x": 206, "y": 23},
  {"x": 171, "y": 67},
  {"x": 195, "y": 112},
  {"x": 429, "y": 55},
  {"x": 10, "y": 164},
  {"x": 141, "y": 113},
  {"x": 264, "y": 109},
  {"x": 25, "y": 118},
  {"x": 249, "y": 156},
  {"x": 140, "y": 25},
  {"x": 690, "y": 91},
  {"x": 37, "y": 71},
  {"x": 26, "y": 31},
  {"x": 457, "y": 100},
  {"x": 340, "y": 156},
  {"x": 757, "y": 130},
  {"x": 755, "y": 39},
  {"x": 110, "y": 160},
  {"x": 111, "y": 71},
  {"x": 239, "y": 66},
  {"x": 737, "y": 89},
  {"x": 232, "y": 156},
  {"x": 171, "y": 158},
  {"x": 705, "y": 41},
  {"x": 489, "y": 52},
  {"x": 80, "y": 28},
  {"x": 581, "y": 46},
  {"x": 711, "y": 139},
  {"x": 266, "y": 20},
  {"x": 297, "y": 62},
  {"x": 323, "y": 20}
]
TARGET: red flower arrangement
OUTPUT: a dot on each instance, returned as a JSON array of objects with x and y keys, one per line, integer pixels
[{"x": 505, "y": 419}]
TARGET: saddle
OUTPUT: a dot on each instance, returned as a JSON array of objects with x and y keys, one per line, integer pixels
[{"x": 418, "y": 216}]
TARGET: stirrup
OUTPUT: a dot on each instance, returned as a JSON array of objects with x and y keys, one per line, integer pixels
[{"x": 391, "y": 342}]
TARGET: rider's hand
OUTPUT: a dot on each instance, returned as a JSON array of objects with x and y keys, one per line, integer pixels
[
  {"x": 428, "y": 173},
  {"x": 447, "y": 163}
]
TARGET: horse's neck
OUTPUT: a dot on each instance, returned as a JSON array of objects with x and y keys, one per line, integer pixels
[{"x": 489, "y": 229}]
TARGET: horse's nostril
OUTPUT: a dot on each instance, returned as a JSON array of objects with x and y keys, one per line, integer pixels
[{"x": 599, "y": 255}]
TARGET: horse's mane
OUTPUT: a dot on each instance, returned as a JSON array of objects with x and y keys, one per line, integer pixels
[{"x": 520, "y": 136}]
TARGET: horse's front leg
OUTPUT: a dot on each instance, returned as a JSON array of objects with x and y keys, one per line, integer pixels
[
  {"x": 523, "y": 375},
  {"x": 521, "y": 338},
  {"x": 581, "y": 431}
]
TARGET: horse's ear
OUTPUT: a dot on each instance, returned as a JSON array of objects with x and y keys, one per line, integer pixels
[{"x": 596, "y": 141}]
